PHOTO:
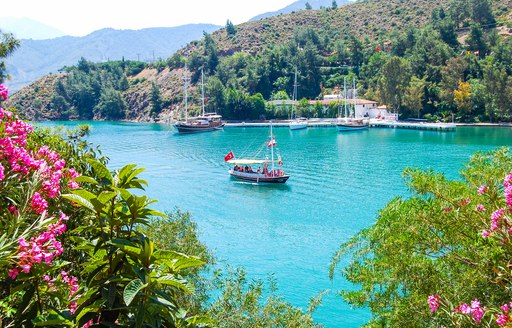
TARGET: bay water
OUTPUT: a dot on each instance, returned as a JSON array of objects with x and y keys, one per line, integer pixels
[{"x": 338, "y": 183}]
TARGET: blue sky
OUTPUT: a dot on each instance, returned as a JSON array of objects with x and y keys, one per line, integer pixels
[{"x": 79, "y": 18}]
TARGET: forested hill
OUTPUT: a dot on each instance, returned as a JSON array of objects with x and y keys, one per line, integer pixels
[
  {"x": 418, "y": 58},
  {"x": 35, "y": 58}
]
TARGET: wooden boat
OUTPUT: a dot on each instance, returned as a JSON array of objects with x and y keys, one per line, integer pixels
[
  {"x": 347, "y": 123},
  {"x": 266, "y": 171},
  {"x": 204, "y": 123}
]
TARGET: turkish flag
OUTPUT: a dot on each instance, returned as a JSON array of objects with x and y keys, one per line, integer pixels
[{"x": 229, "y": 156}]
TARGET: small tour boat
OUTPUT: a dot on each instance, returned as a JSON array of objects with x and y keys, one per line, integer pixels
[
  {"x": 204, "y": 123},
  {"x": 258, "y": 170}
]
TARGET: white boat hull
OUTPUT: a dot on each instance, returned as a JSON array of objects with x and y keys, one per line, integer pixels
[{"x": 298, "y": 125}]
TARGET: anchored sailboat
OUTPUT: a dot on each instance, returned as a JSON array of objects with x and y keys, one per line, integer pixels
[
  {"x": 297, "y": 123},
  {"x": 347, "y": 123},
  {"x": 205, "y": 122},
  {"x": 258, "y": 170}
]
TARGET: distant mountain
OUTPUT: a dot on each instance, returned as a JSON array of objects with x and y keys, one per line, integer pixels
[
  {"x": 26, "y": 28},
  {"x": 300, "y": 5},
  {"x": 35, "y": 58}
]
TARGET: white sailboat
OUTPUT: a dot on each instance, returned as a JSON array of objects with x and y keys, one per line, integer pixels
[
  {"x": 351, "y": 123},
  {"x": 296, "y": 123},
  {"x": 266, "y": 171},
  {"x": 205, "y": 122}
]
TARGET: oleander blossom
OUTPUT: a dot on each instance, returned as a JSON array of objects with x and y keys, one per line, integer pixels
[
  {"x": 475, "y": 309},
  {"x": 507, "y": 183},
  {"x": 433, "y": 301},
  {"x": 480, "y": 208},
  {"x": 41, "y": 249},
  {"x": 3, "y": 92},
  {"x": 482, "y": 190}
]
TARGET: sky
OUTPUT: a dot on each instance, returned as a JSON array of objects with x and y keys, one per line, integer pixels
[{"x": 79, "y": 18}]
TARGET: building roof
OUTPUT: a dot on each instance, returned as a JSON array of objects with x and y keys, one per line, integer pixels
[{"x": 357, "y": 101}]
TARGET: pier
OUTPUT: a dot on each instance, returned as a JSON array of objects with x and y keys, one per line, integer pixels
[
  {"x": 413, "y": 125},
  {"x": 331, "y": 123}
]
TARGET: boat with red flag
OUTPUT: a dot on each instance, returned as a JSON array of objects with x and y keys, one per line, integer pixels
[{"x": 259, "y": 170}]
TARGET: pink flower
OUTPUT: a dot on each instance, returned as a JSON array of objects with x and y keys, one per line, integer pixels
[
  {"x": 72, "y": 307},
  {"x": 502, "y": 320},
  {"x": 496, "y": 217},
  {"x": 3, "y": 92},
  {"x": 485, "y": 233},
  {"x": 480, "y": 208},
  {"x": 2, "y": 174},
  {"x": 39, "y": 204},
  {"x": 507, "y": 182},
  {"x": 88, "y": 324},
  {"x": 13, "y": 273},
  {"x": 433, "y": 302},
  {"x": 464, "y": 309},
  {"x": 483, "y": 189}
]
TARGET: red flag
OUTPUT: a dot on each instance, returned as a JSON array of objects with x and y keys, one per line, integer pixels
[
  {"x": 377, "y": 48},
  {"x": 229, "y": 156}
]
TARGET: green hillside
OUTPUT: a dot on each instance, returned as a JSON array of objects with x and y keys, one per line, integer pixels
[{"x": 418, "y": 59}]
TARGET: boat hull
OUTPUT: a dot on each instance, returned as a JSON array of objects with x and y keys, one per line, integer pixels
[
  {"x": 258, "y": 178},
  {"x": 298, "y": 126},
  {"x": 191, "y": 128},
  {"x": 351, "y": 127}
]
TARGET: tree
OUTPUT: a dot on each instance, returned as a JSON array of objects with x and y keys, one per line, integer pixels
[
  {"x": 216, "y": 96},
  {"x": 111, "y": 105},
  {"x": 476, "y": 40},
  {"x": 453, "y": 72},
  {"x": 230, "y": 29},
  {"x": 308, "y": 6},
  {"x": 334, "y": 4},
  {"x": 8, "y": 45},
  {"x": 156, "y": 99},
  {"x": 432, "y": 242},
  {"x": 395, "y": 77},
  {"x": 415, "y": 94},
  {"x": 481, "y": 12},
  {"x": 462, "y": 97}
]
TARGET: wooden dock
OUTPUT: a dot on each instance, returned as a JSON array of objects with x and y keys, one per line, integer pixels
[
  {"x": 445, "y": 127},
  {"x": 331, "y": 123}
]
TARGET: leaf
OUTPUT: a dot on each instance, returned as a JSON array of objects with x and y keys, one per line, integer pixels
[
  {"x": 105, "y": 196},
  {"x": 85, "y": 179},
  {"x": 52, "y": 319},
  {"x": 131, "y": 290},
  {"x": 101, "y": 170},
  {"x": 170, "y": 280},
  {"x": 80, "y": 200}
]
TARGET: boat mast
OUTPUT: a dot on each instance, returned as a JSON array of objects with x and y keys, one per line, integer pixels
[
  {"x": 294, "y": 96},
  {"x": 272, "y": 148},
  {"x": 202, "y": 89},
  {"x": 354, "y": 96},
  {"x": 186, "y": 79},
  {"x": 345, "y": 95}
]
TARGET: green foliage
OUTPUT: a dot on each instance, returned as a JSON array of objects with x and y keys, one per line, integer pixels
[
  {"x": 241, "y": 304},
  {"x": 230, "y": 29},
  {"x": 8, "y": 45},
  {"x": 430, "y": 243},
  {"x": 129, "y": 280}
]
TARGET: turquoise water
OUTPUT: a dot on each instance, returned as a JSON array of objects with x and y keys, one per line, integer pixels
[{"x": 338, "y": 183}]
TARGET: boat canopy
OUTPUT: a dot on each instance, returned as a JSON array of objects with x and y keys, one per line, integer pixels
[{"x": 246, "y": 161}]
